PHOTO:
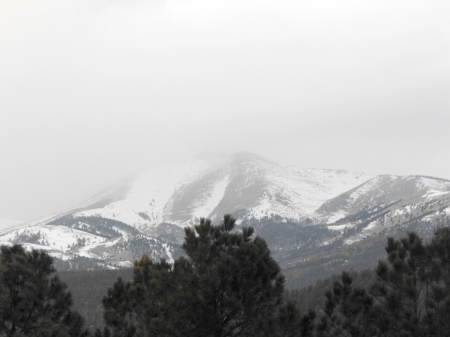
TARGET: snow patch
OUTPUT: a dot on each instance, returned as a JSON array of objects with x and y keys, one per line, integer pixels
[
  {"x": 207, "y": 205},
  {"x": 336, "y": 216},
  {"x": 168, "y": 253},
  {"x": 434, "y": 194},
  {"x": 340, "y": 227}
]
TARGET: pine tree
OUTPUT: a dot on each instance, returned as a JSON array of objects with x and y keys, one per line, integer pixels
[
  {"x": 348, "y": 311},
  {"x": 240, "y": 284},
  {"x": 290, "y": 322},
  {"x": 402, "y": 287},
  {"x": 33, "y": 301},
  {"x": 436, "y": 318},
  {"x": 227, "y": 286},
  {"x": 155, "y": 303},
  {"x": 410, "y": 296}
]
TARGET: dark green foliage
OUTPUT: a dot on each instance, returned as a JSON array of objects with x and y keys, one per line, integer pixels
[
  {"x": 227, "y": 285},
  {"x": 413, "y": 288},
  {"x": 88, "y": 289},
  {"x": 313, "y": 297},
  {"x": 153, "y": 304},
  {"x": 347, "y": 311},
  {"x": 291, "y": 323},
  {"x": 438, "y": 309},
  {"x": 409, "y": 297},
  {"x": 33, "y": 301},
  {"x": 239, "y": 281}
]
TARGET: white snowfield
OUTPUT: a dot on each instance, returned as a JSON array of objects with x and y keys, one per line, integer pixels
[{"x": 55, "y": 239}]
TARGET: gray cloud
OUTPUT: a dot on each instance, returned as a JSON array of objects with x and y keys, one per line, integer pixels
[{"x": 91, "y": 91}]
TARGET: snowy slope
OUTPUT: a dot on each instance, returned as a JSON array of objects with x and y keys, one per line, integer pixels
[
  {"x": 144, "y": 201},
  {"x": 386, "y": 203},
  {"x": 60, "y": 240},
  {"x": 181, "y": 195},
  {"x": 67, "y": 243},
  {"x": 386, "y": 190}
]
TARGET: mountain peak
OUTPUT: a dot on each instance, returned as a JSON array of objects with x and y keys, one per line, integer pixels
[{"x": 244, "y": 156}]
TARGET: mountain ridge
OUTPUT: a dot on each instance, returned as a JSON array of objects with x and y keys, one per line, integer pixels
[{"x": 304, "y": 214}]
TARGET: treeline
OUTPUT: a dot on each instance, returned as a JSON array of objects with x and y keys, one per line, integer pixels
[{"x": 228, "y": 285}]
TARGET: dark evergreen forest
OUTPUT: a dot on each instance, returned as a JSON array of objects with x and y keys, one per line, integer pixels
[{"x": 228, "y": 285}]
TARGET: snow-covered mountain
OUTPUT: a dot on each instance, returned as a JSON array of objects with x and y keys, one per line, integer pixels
[
  {"x": 243, "y": 183},
  {"x": 152, "y": 208},
  {"x": 384, "y": 202},
  {"x": 303, "y": 213}
]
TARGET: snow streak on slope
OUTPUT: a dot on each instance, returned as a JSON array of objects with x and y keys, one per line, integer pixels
[
  {"x": 434, "y": 187},
  {"x": 211, "y": 199}
]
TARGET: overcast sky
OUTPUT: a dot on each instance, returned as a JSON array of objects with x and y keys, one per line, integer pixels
[{"x": 93, "y": 90}]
